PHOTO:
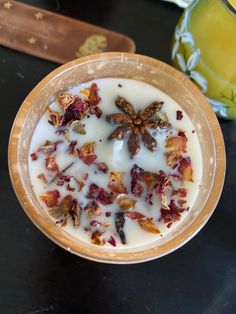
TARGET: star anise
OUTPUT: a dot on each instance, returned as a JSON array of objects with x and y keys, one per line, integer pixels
[{"x": 135, "y": 124}]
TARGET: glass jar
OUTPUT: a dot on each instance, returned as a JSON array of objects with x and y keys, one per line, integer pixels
[{"x": 204, "y": 48}]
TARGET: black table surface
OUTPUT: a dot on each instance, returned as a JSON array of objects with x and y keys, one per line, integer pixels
[{"x": 37, "y": 276}]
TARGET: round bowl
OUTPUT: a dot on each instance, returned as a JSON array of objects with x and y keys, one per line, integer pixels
[{"x": 132, "y": 66}]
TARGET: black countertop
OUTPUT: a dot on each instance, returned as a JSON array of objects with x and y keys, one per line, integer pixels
[{"x": 36, "y": 276}]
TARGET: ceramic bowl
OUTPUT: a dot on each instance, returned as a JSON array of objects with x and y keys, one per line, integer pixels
[{"x": 131, "y": 66}]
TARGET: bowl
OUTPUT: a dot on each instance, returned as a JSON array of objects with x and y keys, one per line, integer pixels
[{"x": 132, "y": 66}]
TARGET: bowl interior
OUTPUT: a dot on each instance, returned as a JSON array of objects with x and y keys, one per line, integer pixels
[{"x": 151, "y": 71}]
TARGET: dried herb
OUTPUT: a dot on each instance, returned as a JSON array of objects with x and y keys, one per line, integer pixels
[
  {"x": 78, "y": 127},
  {"x": 120, "y": 221},
  {"x": 135, "y": 123},
  {"x": 80, "y": 183},
  {"x": 69, "y": 188}
]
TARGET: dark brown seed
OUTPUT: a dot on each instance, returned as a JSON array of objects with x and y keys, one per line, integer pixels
[
  {"x": 118, "y": 118},
  {"x": 125, "y": 106},
  {"x": 148, "y": 140},
  {"x": 150, "y": 110},
  {"x": 133, "y": 144},
  {"x": 119, "y": 132}
]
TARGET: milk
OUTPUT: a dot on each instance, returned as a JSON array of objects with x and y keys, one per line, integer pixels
[{"x": 115, "y": 154}]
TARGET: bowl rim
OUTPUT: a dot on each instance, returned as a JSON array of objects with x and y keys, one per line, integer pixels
[{"x": 149, "y": 254}]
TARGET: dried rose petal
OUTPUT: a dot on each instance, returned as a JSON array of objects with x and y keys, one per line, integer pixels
[
  {"x": 179, "y": 115},
  {"x": 177, "y": 143},
  {"x": 34, "y": 156},
  {"x": 116, "y": 184},
  {"x": 86, "y": 153},
  {"x": 173, "y": 157},
  {"x": 148, "y": 225},
  {"x": 51, "y": 164},
  {"x": 151, "y": 179},
  {"x": 69, "y": 188},
  {"x": 76, "y": 111},
  {"x": 112, "y": 241},
  {"x": 50, "y": 198},
  {"x": 126, "y": 203},
  {"x": 173, "y": 214},
  {"x": 102, "y": 167},
  {"x": 136, "y": 187},
  {"x": 97, "y": 238},
  {"x": 95, "y": 223},
  {"x": 42, "y": 177},
  {"x": 48, "y": 147},
  {"x": 182, "y": 133},
  {"x": 65, "y": 100},
  {"x": 92, "y": 209},
  {"x": 108, "y": 214},
  {"x": 72, "y": 150},
  {"x": 93, "y": 99},
  {"x": 181, "y": 192},
  {"x": 65, "y": 133},
  {"x": 80, "y": 183},
  {"x": 164, "y": 184},
  {"x": 134, "y": 215},
  {"x": 55, "y": 118},
  {"x": 100, "y": 195},
  {"x": 148, "y": 198},
  {"x": 185, "y": 169},
  {"x": 164, "y": 202}
]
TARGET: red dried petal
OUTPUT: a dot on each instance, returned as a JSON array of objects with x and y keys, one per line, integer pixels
[
  {"x": 55, "y": 118},
  {"x": 173, "y": 157},
  {"x": 112, "y": 241},
  {"x": 108, "y": 214},
  {"x": 51, "y": 164},
  {"x": 179, "y": 115},
  {"x": 182, "y": 133},
  {"x": 50, "y": 198},
  {"x": 92, "y": 209},
  {"x": 72, "y": 150},
  {"x": 48, "y": 147},
  {"x": 185, "y": 169},
  {"x": 95, "y": 223},
  {"x": 100, "y": 195},
  {"x": 34, "y": 156},
  {"x": 86, "y": 153},
  {"x": 136, "y": 187}
]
